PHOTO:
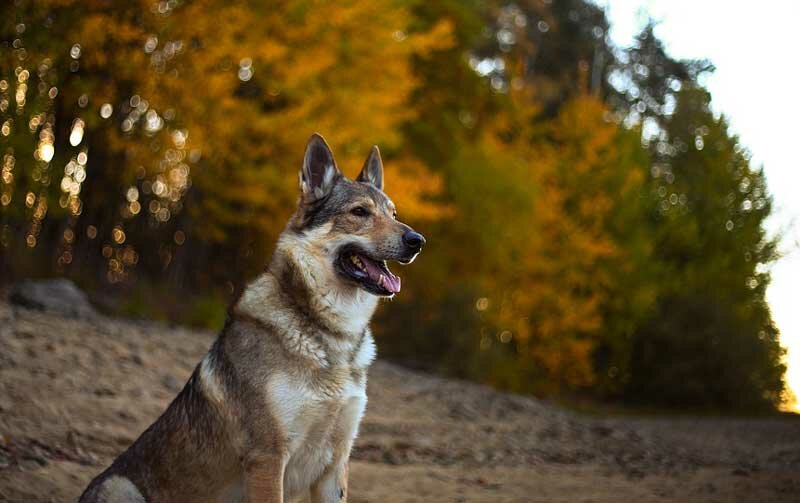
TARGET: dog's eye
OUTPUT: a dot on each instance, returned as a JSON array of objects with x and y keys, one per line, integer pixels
[
  {"x": 360, "y": 211},
  {"x": 394, "y": 215}
]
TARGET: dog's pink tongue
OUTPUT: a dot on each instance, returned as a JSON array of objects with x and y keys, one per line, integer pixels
[{"x": 390, "y": 281}]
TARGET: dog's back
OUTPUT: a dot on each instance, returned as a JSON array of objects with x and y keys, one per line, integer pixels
[{"x": 184, "y": 456}]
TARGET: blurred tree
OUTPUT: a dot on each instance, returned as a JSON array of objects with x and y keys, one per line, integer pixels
[
  {"x": 588, "y": 180},
  {"x": 644, "y": 80},
  {"x": 523, "y": 178},
  {"x": 188, "y": 118},
  {"x": 712, "y": 336},
  {"x": 449, "y": 115},
  {"x": 559, "y": 49},
  {"x": 548, "y": 250}
]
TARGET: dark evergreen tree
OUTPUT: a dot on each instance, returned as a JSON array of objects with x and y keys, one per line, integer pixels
[{"x": 711, "y": 340}]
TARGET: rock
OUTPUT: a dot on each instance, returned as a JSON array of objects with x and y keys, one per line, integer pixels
[{"x": 57, "y": 296}]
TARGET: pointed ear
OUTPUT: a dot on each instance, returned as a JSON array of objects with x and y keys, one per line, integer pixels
[
  {"x": 372, "y": 172},
  {"x": 319, "y": 172}
]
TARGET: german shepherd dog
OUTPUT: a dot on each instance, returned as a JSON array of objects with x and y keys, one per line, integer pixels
[{"x": 271, "y": 411}]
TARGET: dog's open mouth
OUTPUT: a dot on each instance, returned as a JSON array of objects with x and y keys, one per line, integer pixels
[{"x": 372, "y": 274}]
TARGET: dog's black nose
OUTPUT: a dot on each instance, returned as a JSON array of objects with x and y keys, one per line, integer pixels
[{"x": 413, "y": 239}]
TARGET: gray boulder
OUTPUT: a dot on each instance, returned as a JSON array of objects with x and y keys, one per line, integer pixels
[{"x": 57, "y": 296}]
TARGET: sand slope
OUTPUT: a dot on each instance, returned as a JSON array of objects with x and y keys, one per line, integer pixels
[{"x": 74, "y": 393}]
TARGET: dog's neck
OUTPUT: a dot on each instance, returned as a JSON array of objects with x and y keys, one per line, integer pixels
[{"x": 301, "y": 296}]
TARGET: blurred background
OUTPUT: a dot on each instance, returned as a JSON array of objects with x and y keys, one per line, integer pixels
[{"x": 597, "y": 232}]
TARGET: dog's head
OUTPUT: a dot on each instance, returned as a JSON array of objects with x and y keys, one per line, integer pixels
[{"x": 351, "y": 224}]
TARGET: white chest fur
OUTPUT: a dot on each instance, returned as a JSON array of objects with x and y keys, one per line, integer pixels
[{"x": 318, "y": 424}]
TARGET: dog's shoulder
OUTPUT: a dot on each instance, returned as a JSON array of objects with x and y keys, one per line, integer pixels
[{"x": 265, "y": 313}]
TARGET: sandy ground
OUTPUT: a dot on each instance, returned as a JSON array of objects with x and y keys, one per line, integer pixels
[{"x": 74, "y": 393}]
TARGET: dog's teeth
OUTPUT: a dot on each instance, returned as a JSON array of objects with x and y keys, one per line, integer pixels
[
  {"x": 381, "y": 279},
  {"x": 357, "y": 261}
]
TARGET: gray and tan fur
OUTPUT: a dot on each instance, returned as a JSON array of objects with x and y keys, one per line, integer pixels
[{"x": 271, "y": 411}]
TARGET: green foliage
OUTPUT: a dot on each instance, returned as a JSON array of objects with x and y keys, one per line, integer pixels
[
  {"x": 148, "y": 301},
  {"x": 697, "y": 351},
  {"x": 712, "y": 329}
]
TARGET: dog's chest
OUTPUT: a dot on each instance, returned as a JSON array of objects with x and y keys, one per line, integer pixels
[{"x": 318, "y": 419}]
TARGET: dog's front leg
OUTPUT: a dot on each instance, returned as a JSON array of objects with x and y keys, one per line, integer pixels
[
  {"x": 332, "y": 485},
  {"x": 264, "y": 478}
]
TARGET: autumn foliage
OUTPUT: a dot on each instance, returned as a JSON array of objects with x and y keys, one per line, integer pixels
[{"x": 583, "y": 206}]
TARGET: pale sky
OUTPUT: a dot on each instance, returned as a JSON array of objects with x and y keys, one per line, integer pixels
[{"x": 755, "y": 49}]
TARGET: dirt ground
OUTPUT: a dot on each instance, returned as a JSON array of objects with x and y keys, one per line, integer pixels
[{"x": 75, "y": 392}]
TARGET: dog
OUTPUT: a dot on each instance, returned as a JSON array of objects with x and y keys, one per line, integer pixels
[{"x": 271, "y": 411}]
